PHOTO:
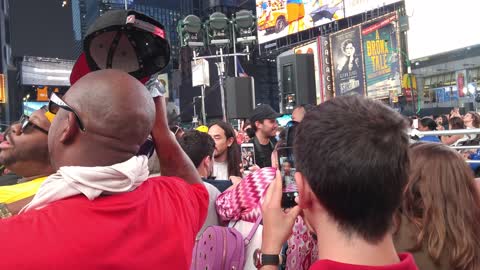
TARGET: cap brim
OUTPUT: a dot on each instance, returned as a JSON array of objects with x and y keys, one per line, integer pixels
[
  {"x": 274, "y": 116},
  {"x": 271, "y": 116},
  {"x": 277, "y": 115}
]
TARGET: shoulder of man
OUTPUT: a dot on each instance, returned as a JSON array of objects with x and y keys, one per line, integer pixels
[{"x": 178, "y": 186}]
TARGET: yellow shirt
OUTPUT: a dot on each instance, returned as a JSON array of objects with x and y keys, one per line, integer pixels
[{"x": 13, "y": 193}]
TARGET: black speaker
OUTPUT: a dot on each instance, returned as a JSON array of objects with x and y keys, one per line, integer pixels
[
  {"x": 297, "y": 81},
  {"x": 239, "y": 97}
]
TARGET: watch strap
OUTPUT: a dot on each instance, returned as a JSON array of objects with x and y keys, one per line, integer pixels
[{"x": 267, "y": 259}]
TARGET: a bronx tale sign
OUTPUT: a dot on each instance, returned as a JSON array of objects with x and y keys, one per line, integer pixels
[{"x": 325, "y": 69}]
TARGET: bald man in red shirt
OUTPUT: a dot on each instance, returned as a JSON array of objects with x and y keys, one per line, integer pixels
[{"x": 99, "y": 211}]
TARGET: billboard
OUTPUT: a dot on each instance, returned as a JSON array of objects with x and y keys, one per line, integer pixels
[
  {"x": 163, "y": 79},
  {"x": 347, "y": 61},
  {"x": 382, "y": 57},
  {"x": 430, "y": 22},
  {"x": 46, "y": 71},
  {"x": 312, "y": 48},
  {"x": 325, "y": 69},
  {"x": 354, "y": 7},
  {"x": 279, "y": 18}
]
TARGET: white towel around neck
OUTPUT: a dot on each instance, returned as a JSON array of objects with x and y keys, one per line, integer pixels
[{"x": 90, "y": 181}]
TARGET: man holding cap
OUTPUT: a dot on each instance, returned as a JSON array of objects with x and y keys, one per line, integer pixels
[{"x": 265, "y": 125}]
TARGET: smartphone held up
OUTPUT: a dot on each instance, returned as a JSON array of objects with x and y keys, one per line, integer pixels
[
  {"x": 248, "y": 156},
  {"x": 286, "y": 164}
]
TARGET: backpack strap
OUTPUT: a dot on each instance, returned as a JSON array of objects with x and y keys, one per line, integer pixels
[{"x": 254, "y": 229}]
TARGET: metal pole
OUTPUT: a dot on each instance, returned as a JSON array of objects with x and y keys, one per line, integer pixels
[
  {"x": 204, "y": 113},
  {"x": 194, "y": 119},
  {"x": 234, "y": 50},
  {"x": 218, "y": 56},
  {"x": 447, "y": 132},
  {"x": 473, "y": 161},
  {"x": 465, "y": 147},
  {"x": 126, "y": 4},
  {"x": 222, "y": 90}
]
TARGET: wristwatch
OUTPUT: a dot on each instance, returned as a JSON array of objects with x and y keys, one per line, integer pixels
[{"x": 260, "y": 259}]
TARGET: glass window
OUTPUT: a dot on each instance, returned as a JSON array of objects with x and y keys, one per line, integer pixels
[
  {"x": 440, "y": 79},
  {"x": 447, "y": 78},
  {"x": 473, "y": 74},
  {"x": 428, "y": 81}
]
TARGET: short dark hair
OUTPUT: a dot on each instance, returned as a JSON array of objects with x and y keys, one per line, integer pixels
[
  {"x": 429, "y": 123},
  {"x": 197, "y": 145},
  {"x": 306, "y": 107},
  {"x": 250, "y": 132},
  {"x": 353, "y": 151}
]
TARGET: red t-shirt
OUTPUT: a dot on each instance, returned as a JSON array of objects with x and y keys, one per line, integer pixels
[
  {"x": 152, "y": 227},
  {"x": 406, "y": 263}
]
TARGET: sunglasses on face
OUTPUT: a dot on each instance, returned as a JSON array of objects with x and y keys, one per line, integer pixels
[
  {"x": 25, "y": 124},
  {"x": 56, "y": 103}
]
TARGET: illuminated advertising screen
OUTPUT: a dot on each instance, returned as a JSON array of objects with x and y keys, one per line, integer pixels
[
  {"x": 279, "y": 18},
  {"x": 382, "y": 57},
  {"x": 354, "y": 7},
  {"x": 347, "y": 56},
  {"x": 438, "y": 28}
]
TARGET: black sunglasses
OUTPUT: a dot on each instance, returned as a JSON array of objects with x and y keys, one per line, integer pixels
[
  {"x": 25, "y": 123},
  {"x": 56, "y": 103}
]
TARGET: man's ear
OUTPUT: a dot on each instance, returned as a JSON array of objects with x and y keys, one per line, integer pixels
[
  {"x": 207, "y": 160},
  {"x": 230, "y": 141},
  {"x": 206, "y": 163},
  {"x": 69, "y": 129}
]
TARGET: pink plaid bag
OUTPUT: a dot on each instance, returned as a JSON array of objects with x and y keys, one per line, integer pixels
[{"x": 243, "y": 202}]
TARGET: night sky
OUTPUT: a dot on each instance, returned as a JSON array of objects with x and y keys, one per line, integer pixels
[{"x": 42, "y": 28}]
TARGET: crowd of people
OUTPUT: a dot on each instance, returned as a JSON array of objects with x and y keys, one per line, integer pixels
[
  {"x": 81, "y": 189},
  {"x": 98, "y": 179},
  {"x": 453, "y": 121}
]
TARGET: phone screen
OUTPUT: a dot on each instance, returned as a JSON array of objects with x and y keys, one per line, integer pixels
[
  {"x": 248, "y": 155},
  {"x": 286, "y": 164}
]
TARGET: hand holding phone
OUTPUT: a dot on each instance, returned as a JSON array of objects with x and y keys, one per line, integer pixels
[{"x": 286, "y": 164}]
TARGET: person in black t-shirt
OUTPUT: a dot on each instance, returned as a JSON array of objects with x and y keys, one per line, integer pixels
[{"x": 264, "y": 123}]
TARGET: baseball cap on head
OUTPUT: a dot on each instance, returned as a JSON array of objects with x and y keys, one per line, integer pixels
[
  {"x": 263, "y": 111},
  {"x": 127, "y": 40}
]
